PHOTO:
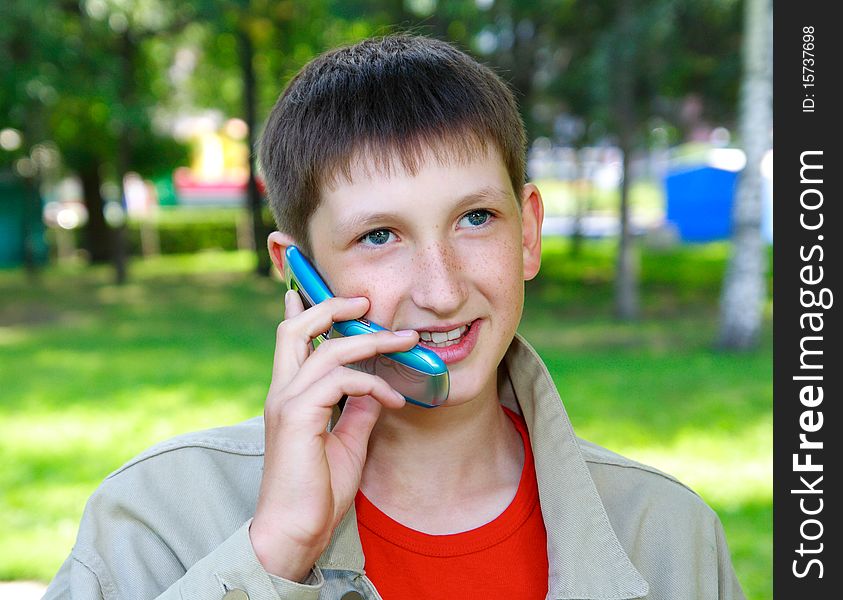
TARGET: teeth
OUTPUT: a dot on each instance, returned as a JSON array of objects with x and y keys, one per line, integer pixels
[
  {"x": 443, "y": 344},
  {"x": 440, "y": 337}
]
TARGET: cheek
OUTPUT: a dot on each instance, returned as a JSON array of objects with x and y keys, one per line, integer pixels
[
  {"x": 382, "y": 288},
  {"x": 499, "y": 270}
]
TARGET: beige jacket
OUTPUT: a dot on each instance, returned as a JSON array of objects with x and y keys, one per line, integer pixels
[{"x": 173, "y": 522}]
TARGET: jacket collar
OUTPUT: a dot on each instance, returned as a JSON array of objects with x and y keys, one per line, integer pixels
[{"x": 586, "y": 560}]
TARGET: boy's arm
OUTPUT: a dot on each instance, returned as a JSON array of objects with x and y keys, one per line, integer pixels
[
  {"x": 311, "y": 475},
  {"x": 231, "y": 566}
]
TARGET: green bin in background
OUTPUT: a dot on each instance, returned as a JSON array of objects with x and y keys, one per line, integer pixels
[{"x": 21, "y": 226}]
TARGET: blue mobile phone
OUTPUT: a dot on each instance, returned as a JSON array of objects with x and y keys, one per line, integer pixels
[{"x": 419, "y": 374}]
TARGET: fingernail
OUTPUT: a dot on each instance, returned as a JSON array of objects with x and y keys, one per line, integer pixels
[
  {"x": 405, "y": 332},
  {"x": 399, "y": 395}
]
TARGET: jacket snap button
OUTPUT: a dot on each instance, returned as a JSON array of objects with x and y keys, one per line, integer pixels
[
  {"x": 352, "y": 596},
  {"x": 235, "y": 595}
]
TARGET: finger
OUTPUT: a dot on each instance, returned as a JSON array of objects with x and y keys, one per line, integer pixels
[
  {"x": 293, "y": 304},
  {"x": 295, "y": 334},
  {"x": 319, "y": 319},
  {"x": 327, "y": 391},
  {"x": 294, "y": 354},
  {"x": 352, "y": 349}
]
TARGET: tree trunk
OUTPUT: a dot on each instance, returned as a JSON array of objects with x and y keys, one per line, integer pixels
[
  {"x": 581, "y": 186},
  {"x": 124, "y": 152},
  {"x": 627, "y": 302},
  {"x": 744, "y": 288},
  {"x": 626, "y": 276},
  {"x": 97, "y": 234},
  {"x": 253, "y": 197}
]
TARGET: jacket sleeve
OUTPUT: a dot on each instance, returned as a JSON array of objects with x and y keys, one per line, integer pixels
[
  {"x": 231, "y": 566},
  {"x": 73, "y": 580},
  {"x": 729, "y": 587},
  {"x": 174, "y": 523}
]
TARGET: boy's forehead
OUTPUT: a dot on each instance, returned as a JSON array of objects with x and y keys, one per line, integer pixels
[
  {"x": 373, "y": 185},
  {"x": 372, "y": 162}
]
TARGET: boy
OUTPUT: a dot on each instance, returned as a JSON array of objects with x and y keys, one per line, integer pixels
[{"x": 397, "y": 165}]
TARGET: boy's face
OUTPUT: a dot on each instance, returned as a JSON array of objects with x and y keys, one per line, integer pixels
[{"x": 437, "y": 251}]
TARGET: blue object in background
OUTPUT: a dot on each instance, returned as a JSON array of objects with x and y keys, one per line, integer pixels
[{"x": 699, "y": 202}]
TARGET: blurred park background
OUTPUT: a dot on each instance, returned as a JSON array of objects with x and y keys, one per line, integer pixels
[{"x": 136, "y": 300}]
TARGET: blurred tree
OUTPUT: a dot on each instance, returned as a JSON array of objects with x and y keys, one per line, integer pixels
[
  {"x": 623, "y": 65},
  {"x": 78, "y": 78},
  {"x": 742, "y": 300},
  {"x": 96, "y": 68},
  {"x": 248, "y": 50},
  {"x": 623, "y": 52}
]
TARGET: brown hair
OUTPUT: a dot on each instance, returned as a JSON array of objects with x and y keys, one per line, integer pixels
[{"x": 384, "y": 98}]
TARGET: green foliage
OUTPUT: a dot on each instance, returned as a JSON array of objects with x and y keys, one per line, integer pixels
[
  {"x": 68, "y": 76},
  {"x": 93, "y": 373},
  {"x": 188, "y": 237},
  {"x": 284, "y": 35},
  {"x": 80, "y": 76},
  {"x": 217, "y": 231},
  {"x": 183, "y": 230}
]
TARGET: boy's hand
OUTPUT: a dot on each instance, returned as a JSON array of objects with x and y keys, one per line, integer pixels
[{"x": 311, "y": 475}]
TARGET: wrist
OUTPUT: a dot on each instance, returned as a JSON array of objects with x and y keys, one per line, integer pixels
[{"x": 281, "y": 556}]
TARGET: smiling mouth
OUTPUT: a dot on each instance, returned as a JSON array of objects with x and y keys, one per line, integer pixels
[{"x": 443, "y": 339}]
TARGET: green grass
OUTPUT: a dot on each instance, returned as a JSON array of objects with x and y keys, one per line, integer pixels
[{"x": 93, "y": 373}]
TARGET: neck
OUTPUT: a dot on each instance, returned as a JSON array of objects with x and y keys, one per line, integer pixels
[{"x": 421, "y": 460}]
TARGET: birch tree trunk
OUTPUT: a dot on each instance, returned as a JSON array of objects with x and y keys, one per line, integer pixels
[
  {"x": 626, "y": 265},
  {"x": 744, "y": 289}
]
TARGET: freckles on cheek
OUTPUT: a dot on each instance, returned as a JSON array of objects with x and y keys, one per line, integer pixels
[
  {"x": 510, "y": 273},
  {"x": 349, "y": 284},
  {"x": 379, "y": 289}
]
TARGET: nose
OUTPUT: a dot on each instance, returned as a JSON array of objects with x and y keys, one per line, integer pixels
[{"x": 440, "y": 284}]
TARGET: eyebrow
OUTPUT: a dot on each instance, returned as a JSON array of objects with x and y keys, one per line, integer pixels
[{"x": 359, "y": 222}]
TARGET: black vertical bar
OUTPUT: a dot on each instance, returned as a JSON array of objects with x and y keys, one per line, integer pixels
[{"x": 807, "y": 231}]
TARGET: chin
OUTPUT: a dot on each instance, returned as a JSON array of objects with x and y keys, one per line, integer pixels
[{"x": 464, "y": 389}]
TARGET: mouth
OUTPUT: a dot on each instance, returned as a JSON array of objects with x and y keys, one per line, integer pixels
[
  {"x": 444, "y": 339},
  {"x": 453, "y": 345}
]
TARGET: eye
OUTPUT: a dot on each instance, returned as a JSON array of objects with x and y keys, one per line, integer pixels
[
  {"x": 378, "y": 237},
  {"x": 477, "y": 218}
]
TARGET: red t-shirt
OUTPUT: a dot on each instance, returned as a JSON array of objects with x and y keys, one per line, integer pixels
[{"x": 505, "y": 558}]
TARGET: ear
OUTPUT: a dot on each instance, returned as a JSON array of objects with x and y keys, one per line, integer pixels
[
  {"x": 532, "y": 217},
  {"x": 277, "y": 244}
]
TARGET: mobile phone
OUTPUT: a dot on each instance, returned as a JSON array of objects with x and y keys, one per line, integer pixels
[{"x": 419, "y": 374}]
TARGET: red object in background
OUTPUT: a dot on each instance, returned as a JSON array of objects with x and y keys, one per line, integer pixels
[{"x": 193, "y": 192}]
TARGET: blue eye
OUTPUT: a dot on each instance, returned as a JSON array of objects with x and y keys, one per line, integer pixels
[
  {"x": 379, "y": 237},
  {"x": 476, "y": 218}
]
